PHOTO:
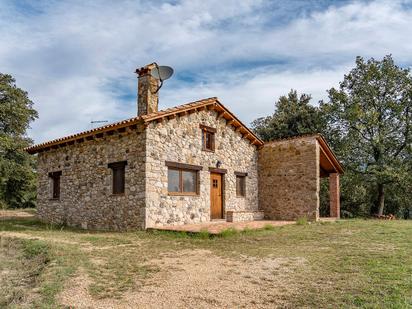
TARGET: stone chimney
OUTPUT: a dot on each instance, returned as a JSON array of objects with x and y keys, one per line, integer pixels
[{"x": 147, "y": 99}]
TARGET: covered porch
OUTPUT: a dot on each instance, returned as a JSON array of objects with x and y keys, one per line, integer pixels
[
  {"x": 218, "y": 226},
  {"x": 290, "y": 173},
  {"x": 329, "y": 167}
]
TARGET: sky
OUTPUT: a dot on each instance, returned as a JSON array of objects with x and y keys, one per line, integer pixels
[{"x": 76, "y": 58}]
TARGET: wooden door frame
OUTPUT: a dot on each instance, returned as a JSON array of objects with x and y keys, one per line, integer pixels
[{"x": 222, "y": 173}]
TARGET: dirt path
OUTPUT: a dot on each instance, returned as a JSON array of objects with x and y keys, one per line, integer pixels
[
  {"x": 199, "y": 279},
  {"x": 32, "y": 237},
  {"x": 8, "y": 214}
]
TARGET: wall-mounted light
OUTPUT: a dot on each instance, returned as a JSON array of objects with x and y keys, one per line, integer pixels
[{"x": 218, "y": 164}]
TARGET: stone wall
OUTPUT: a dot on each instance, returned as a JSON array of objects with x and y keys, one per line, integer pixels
[
  {"x": 179, "y": 140},
  {"x": 86, "y": 198},
  {"x": 289, "y": 179}
]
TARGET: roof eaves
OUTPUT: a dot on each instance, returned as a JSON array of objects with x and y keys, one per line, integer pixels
[
  {"x": 324, "y": 144},
  {"x": 146, "y": 119},
  {"x": 73, "y": 137},
  {"x": 260, "y": 142}
]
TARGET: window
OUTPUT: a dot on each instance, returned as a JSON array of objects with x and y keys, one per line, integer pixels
[
  {"x": 240, "y": 184},
  {"x": 208, "y": 138},
  {"x": 55, "y": 185},
  {"x": 215, "y": 183},
  {"x": 182, "y": 178},
  {"x": 118, "y": 173}
]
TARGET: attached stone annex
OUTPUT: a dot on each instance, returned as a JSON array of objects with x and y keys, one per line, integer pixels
[{"x": 184, "y": 165}]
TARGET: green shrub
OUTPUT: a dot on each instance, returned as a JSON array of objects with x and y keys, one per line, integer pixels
[
  {"x": 268, "y": 227},
  {"x": 247, "y": 230},
  {"x": 228, "y": 232},
  {"x": 203, "y": 234},
  {"x": 302, "y": 221},
  {"x": 33, "y": 248}
]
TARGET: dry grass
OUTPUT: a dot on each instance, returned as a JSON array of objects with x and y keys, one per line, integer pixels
[
  {"x": 354, "y": 263},
  {"x": 22, "y": 261}
]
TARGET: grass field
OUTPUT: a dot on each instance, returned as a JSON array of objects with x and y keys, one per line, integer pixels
[{"x": 351, "y": 263}]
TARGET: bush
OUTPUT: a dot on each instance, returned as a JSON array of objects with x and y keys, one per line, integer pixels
[
  {"x": 203, "y": 234},
  {"x": 228, "y": 232},
  {"x": 302, "y": 221},
  {"x": 268, "y": 227}
]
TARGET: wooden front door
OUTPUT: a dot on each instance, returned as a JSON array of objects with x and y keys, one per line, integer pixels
[{"x": 216, "y": 201}]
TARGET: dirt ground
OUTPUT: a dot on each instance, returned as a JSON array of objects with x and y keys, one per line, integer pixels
[
  {"x": 8, "y": 214},
  {"x": 354, "y": 263},
  {"x": 198, "y": 279},
  {"x": 188, "y": 278}
]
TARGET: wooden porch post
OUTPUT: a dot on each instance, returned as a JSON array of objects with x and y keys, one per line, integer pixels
[{"x": 334, "y": 195}]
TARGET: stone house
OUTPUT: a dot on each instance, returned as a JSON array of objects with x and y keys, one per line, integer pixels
[{"x": 189, "y": 164}]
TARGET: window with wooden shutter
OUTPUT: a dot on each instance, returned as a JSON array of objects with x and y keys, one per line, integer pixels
[
  {"x": 240, "y": 184},
  {"x": 55, "y": 184},
  {"x": 118, "y": 175},
  {"x": 208, "y": 138}
]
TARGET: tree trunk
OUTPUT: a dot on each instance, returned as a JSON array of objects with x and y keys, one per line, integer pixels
[{"x": 381, "y": 199}]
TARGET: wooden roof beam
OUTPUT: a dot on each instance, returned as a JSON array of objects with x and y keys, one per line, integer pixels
[
  {"x": 230, "y": 122},
  {"x": 211, "y": 106},
  {"x": 217, "y": 108},
  {"x": 220, "y": 115}
]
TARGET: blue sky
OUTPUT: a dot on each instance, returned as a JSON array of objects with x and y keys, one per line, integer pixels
[{"x": 76, "y": 58}]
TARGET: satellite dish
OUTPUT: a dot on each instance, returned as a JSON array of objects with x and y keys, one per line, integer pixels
[{"x": 162, "y": 72}]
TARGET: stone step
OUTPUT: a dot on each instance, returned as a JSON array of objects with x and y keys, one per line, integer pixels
[{"x": 242, "y": 216}]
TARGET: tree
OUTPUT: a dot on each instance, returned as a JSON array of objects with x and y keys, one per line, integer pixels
[
  {"x": 293, "y": 116},
  {"x": 17, "y": 188},
  {"x": 369, "y": 119}
]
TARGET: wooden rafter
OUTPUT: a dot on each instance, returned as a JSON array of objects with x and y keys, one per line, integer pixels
[
  {"x": 230, "y": 122},
  {"x": 220, "y": 115}
]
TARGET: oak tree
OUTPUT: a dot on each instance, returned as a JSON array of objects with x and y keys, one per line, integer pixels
[
  {"x": 370, "y": 121},
  {"x": 17, "y": 178}
]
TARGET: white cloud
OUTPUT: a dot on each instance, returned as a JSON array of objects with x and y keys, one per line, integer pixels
[
  {"x": 76, "y": 58},
  {"x": 253, "y": 94}
]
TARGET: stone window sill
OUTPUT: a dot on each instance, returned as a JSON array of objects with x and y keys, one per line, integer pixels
[
  {"x": 117, "y": 194},
  {"x": 182, "y": 194},
  {"x": 207, "y": 150},
  {"x": 57, "y": 199}
]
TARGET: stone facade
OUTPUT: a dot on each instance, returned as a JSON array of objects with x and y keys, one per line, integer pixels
[
  {"x": 86, "y": 198},
  {"x": 179, "y": 140},
  {"x": 282, "y": 181},
  {"x": 282, "y": 178},
  {"x": 289, "y": 179}
]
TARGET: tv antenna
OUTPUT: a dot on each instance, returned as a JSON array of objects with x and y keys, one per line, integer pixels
[
  {"x": 93, "y": 122},
  {"x": 161, "y": 73}
]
